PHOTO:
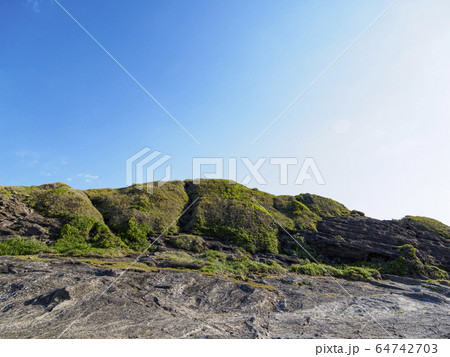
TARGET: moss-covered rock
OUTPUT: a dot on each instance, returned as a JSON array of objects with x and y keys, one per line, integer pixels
[
  {"x": 301, "y": 216},
  {"x": 187, "y": 242},
  {"x": 157, "y": 210},
  {"x": 83, "y": 235},
  {"x": 322, "y": 206},
  {"x": 244, "y": 216},
  {"x": 56, "y": 200},
  {"x": 427, "y": 224}
]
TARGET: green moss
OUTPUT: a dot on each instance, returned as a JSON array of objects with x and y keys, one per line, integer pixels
[
  {"x": 157, "y": 210},
  {"x": 85, "y": 235},
  {"x": 428, "y": 224},
  {"x": 188, "y": 242},
  {"x": 302, "y": 283},
  {"x": 240, "y": 264},
  {"x": 234, "y": 212},
  {"x": 6, "y": 191},
  {"x": 237, "y": 265},
  {"x": 301, "y": 250},
  {"x": 406, "y": 265},
  {"x": 56, "y": 200},
  {"x": 143, "y": 205},
  {"x": 21, "y": 246},
  {"x": 408, "y": 251},
  {"x": 298, "y": 212},
  {"x": 435, "y": 272},
  {"x": 345, "y": 271},
  {"x": 121, "y": 265},
  {"x": 248, "y": 217},
  {"x": 312, "y": 269},
  {"x": 322, "y": 206}
]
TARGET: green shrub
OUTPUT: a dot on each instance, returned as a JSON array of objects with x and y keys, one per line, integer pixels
[
  {"x": 72, "y": 242},
  {"x": 84, "y": 235},
  {"x": 21, "y": 246},
  {"x": 136, "y": 235}
]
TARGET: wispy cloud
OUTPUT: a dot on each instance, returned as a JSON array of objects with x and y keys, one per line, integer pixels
[
  {"x": 35, "y": 5},
  {"x": 28, "y": 154},
  {"x": 46, "y": 173},
  {"x": 28, "y": 158},
  {"x": 88, "y": 177}
]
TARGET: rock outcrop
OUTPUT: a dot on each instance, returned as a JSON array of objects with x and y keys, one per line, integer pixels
[
  {"x": 354, "y": 239},
  {"x": 70, "y": 299}
]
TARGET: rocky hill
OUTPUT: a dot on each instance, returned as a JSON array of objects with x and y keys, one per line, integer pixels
[
  {"x": 222, "y": 217},
  {"x": 220, "y": 259}
]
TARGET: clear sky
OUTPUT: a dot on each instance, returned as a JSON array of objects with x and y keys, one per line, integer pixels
[{"x": 377, "y": 122}]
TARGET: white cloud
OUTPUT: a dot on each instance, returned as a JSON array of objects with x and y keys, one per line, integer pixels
[
  {"x": 28, "y": 154},
  {"x": 35, "y": 4},
  {"x": 88, "y": 177},
  {"x": 46, "y": 173}
]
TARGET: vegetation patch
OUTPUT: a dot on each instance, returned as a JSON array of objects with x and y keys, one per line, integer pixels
[
  {"x": 428, "y": 224},
  {"x": 322, "y": 206},
  {"x": 344, "y": 271},
  {"x": 136, "y": 234},
  {"x": 407, "y": 266},
  {"x": 299, "y": 248},
  {"x": 86, "y": 236},
  {"x": 299, "y": 213},
  {"x": 157, "y": 210},
  {"x": 104, "y": 264},
  {"x": 21, "y": 246},
  {"x": 57, "y": 200},
  {"x": 243, "y": 216},
  {"x": 239, "y": 264},
  {"x": 188, "y": 242}
]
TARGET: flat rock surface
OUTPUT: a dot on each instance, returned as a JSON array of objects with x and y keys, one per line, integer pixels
[{"x": 69, "y": 299}]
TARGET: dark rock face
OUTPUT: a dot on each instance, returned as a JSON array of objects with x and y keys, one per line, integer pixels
[
  {"x": 17, "y": 219},
  {"x": 352, "y": 239},
  {"x": 50, "y": 300}
]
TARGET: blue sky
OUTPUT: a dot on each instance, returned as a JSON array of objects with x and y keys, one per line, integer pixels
[{"x": 376, "y": 123}]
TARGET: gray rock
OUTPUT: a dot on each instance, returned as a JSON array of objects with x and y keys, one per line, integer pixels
[{"x": 45, "y": 299}]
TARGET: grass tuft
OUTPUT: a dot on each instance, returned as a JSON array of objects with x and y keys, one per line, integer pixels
[{"x": 21, "y": 246}]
